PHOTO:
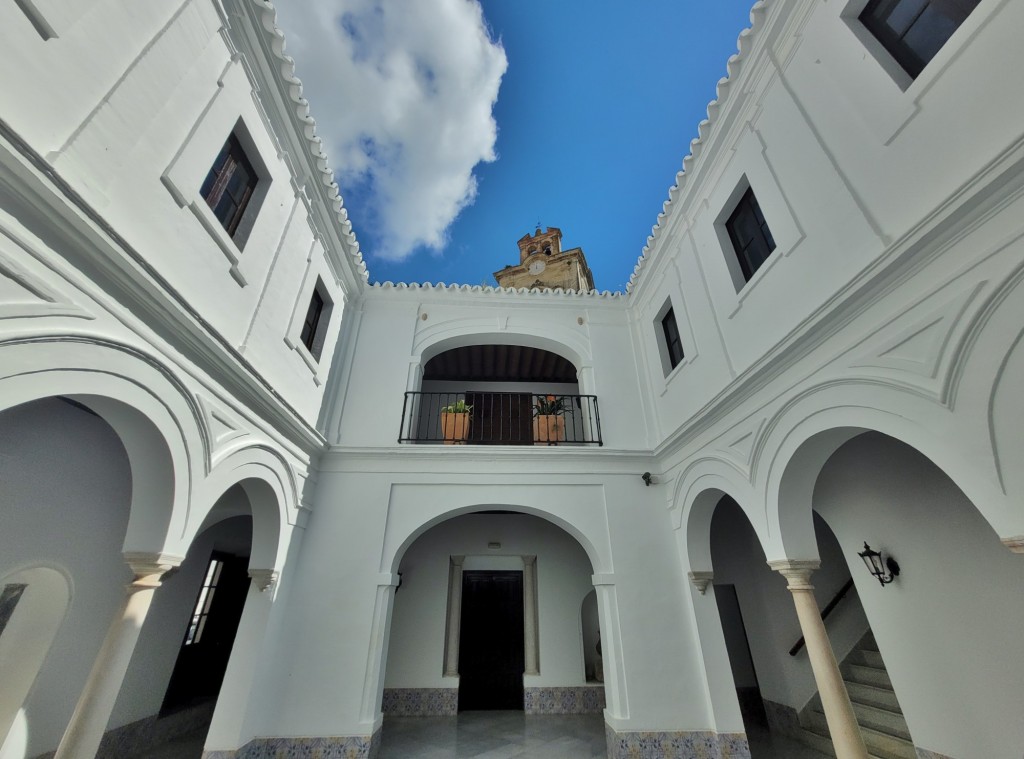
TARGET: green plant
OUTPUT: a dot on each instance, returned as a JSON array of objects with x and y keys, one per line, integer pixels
[
  {"x": 459, "y": 407},
  {"x": 550, "y": 405}
]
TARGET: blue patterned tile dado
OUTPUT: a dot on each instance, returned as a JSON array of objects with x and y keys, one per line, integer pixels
[
  {"x": 576, "y": 699},
  {"x": 701, "y": 744},
  {"x": 421, "y": 702},
  {"x": 338, "y": 747}
]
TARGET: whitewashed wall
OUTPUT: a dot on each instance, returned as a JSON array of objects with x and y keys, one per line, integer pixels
[{"x": 948, "y": 627}]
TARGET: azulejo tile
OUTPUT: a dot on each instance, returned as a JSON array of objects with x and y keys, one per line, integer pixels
[
  {"x": 700, "y": 744},
  {"x": 421, "y": 702},
  {"x": 335, "y": 747},
  {"x": 577, "y": 699}
]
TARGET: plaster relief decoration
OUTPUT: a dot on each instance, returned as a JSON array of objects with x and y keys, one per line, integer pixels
[
  {"x": 223, "y": 426},
  {"x": 23, "y": 294},
  {"x": 919, "y": 349},
  {"x": 738, "y": 444}
]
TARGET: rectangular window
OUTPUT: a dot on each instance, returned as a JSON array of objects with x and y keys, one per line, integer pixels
[
  {"x": 751, "y": 238},
  {"x": 230, "y": 184},
  {"x": 913, "y": 31},
  {"x": 314, "y": 325},
  {"x": 672, "y": 340},
  {"x": 202, "y": 609}
]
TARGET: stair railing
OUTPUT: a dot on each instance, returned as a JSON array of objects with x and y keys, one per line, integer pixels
[{"x": 824, "y": 613}]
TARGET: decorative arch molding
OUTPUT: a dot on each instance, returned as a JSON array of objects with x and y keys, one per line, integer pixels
[
  {"x": 566, "y": 342},
  {"x": 594, "y": 542},
  {"x": 271, "y": 488},
  {"x": 804, "y": 434},
  {"x": 159, "y": 423},
  {"x": 700, "y": 500}
]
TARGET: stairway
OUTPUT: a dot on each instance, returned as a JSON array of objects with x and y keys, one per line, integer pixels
[{"x": 874, "y": 703}]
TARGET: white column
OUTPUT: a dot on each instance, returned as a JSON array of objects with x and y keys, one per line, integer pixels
[
  {"x": 83, "y": 734},
  {"x": 451, "y": 649},
  {"x": 531, "y": 632},
  {"x": 842, "y": 723}
]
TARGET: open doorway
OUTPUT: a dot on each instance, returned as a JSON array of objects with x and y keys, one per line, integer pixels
[
  {"x": 203, "y": 657},
  {"x": 491, "y": 659}
]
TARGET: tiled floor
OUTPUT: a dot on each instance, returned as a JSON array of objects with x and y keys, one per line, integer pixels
[
  {"x": 494, "y": 735},
  {"x": 500, "y": 735}
]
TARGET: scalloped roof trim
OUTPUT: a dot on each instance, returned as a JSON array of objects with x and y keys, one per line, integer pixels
[
  {"x": 293, "y": 86},
  {"x": 545, "y": 292},
  {"x": 733, "y": 66}
]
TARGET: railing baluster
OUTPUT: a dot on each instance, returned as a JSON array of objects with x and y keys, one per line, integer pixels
[{"x": 498, "y": 417}]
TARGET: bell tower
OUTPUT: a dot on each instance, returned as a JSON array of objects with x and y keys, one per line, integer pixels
[{"x": 543, "y": 264}]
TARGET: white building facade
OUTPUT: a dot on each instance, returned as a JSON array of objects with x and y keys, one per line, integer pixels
[{"x": 820, "y": 347}]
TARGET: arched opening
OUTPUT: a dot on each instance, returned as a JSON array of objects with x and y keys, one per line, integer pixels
[
  {"x": 771, "y": 673},
  {"x": 67, "y": 495},
  {"x": 500, "y": 394},
  {"x": 33, "y": 603},
  {"x": 948, "y": 627},
  {"x": 178, "y": 673},
  {"x": 487, "y": 617}
]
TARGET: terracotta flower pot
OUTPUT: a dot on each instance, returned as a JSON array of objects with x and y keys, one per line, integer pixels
[
  {"x": 548, "y": 429},
  {"x": 455, "y": 427}
]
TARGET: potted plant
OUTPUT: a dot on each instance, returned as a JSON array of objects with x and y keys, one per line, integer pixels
[
  {"x": 548, "y": 422},
  {"x": 455, "y": 422}
]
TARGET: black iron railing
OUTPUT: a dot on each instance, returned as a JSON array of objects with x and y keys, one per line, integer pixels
[{"x": 471, "y": 418}]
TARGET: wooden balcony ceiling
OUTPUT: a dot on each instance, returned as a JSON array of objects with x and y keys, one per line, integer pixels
[{"x": 499, "y": 363}]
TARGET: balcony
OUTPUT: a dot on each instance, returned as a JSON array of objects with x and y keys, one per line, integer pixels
[{"x": 488, "y": 418}]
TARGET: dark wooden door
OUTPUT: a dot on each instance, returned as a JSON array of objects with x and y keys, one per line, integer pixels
[
  {"x": 203, "y": 657},
  {"x": 491, "y": 660},
  {"x": 501, "y": 418}
]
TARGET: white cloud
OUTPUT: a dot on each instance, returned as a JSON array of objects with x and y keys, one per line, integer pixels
[{"x": 402, "y": 91}]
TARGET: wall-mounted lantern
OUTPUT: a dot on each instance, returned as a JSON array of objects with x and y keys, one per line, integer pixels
[{"x": 885, "y": 571}]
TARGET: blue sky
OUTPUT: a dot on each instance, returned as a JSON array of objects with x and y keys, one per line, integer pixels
[{"x": 595, "y": 110}]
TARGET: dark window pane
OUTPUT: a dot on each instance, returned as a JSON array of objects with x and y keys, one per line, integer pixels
[
  {"x": 929, "y": 33},
  {"x": 913, "y": 31},
  {"x": 229, "y": 185},
  {"x": 672, "y": 340},
  {"x": 312, "y": 320},
  {"x": 751, "y": 238}
]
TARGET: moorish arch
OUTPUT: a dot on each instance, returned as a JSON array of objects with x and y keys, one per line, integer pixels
[
  {"x": 798, "y": 442},
  {"x": 158, "y": 423},
  {"x": 546, "y": 336},
  {"x": 698, "y": 491},
  {"x": 270, "y": 489}
]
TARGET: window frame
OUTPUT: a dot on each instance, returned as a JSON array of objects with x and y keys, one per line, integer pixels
[
  {"x": 874, "y": 17},
  {"x": 748, "y": 202},
  {"x": 673, "y": 340},
  {"x": 229, "y": 160}
]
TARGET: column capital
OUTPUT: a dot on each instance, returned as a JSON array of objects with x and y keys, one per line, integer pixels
[
  {"x": 796, "y": 571},
  {"x": 149, "y": 568},
  {"x": 1014, "y": 543},
  {"x": 701, "y": 580},
  {"x": 263, "y": 578},
  {"x": 529, "y": 560},
  {"x": 457, "y": 561}
]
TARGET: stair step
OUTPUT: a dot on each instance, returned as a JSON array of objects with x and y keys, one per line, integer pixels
[
  {"x": 860, "y": 673},
  {"x": 866, "y": 657},
  {"x": 878, "y": 744},
  {"x": 883, "y": 698},
  {"x": 882, "y": 720},
  {"x": 823, "y": 743}
]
